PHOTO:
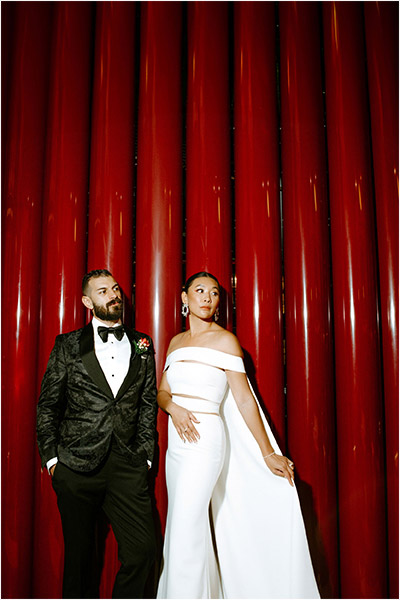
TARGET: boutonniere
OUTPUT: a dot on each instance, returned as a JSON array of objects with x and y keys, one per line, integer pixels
[{"x": 142, "y": 345}]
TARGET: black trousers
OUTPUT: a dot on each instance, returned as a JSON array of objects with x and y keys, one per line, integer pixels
[{"x": 121, "y": 490}]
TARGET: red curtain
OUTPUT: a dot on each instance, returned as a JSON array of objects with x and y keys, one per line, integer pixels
[
  {"x": 27, "y": 74},
  {"x": 110, "y": 214},
  {"x": 359, "y": 400},
  {"x": 258, "y": 264},
  {"x": 309, "y": 332},
  {"x": 63, "y": 243},
  {"x": 381, "y": 21},
  {"x": 159, "y": 196},
  {"x": 208, "y": 190},
  {"x": 256, "y": 140}
]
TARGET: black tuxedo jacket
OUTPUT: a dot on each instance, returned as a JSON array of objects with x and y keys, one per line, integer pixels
[{"x": 77, "y": 412}]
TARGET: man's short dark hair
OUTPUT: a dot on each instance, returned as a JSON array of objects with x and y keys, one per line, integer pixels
[{"x": 92, "y": 275}]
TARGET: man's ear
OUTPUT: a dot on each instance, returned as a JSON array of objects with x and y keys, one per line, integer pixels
[{"x": 87, "y": 302}]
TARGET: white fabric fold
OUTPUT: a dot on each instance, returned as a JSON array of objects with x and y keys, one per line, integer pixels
[{"x": 259, "y": 530}]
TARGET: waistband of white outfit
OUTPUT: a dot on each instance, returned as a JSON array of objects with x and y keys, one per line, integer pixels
[{"x": 197, "y": 405}]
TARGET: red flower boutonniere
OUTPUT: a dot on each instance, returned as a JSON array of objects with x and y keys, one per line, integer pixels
[{"x": 142, "y": 345}]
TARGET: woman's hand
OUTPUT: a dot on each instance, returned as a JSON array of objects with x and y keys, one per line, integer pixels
[
  {"x": 281, "y": 466},
  {"x": 183, "y": 421}
]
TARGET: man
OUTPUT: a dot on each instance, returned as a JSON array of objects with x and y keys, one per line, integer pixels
[{"x": 96, "y": 420}]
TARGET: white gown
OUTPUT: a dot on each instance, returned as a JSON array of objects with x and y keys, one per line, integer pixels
[{"x": 234, "y": 530}]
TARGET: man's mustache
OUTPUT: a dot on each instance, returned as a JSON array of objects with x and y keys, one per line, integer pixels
[{"x": 112, "y": 302}]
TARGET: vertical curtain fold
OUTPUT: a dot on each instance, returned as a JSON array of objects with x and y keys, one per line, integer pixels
[
  {"x": 21, "y": 220},
  {"x": 382, "y": 41},
  {"x": 111, "y": 202},
  {"x": 112, "y": 156},
  {"x": 159, "y": 195},
  {"x": 63, "y": 242},
  {"x": 208, "y": 190},
  {"x": 308, "y": 325},
  {"x": 8, "y": 38},
  {"x": 257, "y": 210},
  {"x": 355, "y": 295}
]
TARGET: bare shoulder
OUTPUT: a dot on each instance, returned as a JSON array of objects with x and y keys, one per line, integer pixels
[
  {"x": 228, "y": 342},
  {"x": 176, "y": 342}
]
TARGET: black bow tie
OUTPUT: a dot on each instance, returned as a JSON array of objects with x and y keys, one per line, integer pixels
[{"x": 117, "y": 331}]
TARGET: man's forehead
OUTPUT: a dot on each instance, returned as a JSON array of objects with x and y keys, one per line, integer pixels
[{"x": 98, "y": 283}]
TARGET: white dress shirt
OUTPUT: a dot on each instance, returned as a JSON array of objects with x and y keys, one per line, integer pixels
[{"x": 114, "y": 357}]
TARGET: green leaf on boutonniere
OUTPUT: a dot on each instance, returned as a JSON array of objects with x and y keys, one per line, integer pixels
[{"x": 142, "y": 345}]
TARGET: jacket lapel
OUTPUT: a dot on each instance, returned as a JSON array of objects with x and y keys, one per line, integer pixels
[
  {"x": 90, "y": 361},
  {"x": 134, "y": 366}
]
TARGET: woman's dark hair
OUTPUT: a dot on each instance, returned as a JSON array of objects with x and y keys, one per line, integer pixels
[{"x": 196, "y": 276}]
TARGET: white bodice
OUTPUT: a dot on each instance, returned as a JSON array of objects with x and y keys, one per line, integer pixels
[{"x": 197, "y": 376}]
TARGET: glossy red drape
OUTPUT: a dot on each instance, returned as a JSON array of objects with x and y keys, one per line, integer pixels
[
  {"x": 8, "y": 18},
  {"x": 110, "y": 225},
  {"x": 159, "y": 194},
  {"x": 112, "y": 145},
  {"x": 354, "y": 269},
  {"x": 157, "y": 139},
  {"x": 63, "y": 242},
  {"x": 208, "y": 192},
  {"x": 382, "y": 39},
  {"x": 309, "y": 336},
  {"x": 21, "y": 215},
  {"x": 258, "y": 231}
]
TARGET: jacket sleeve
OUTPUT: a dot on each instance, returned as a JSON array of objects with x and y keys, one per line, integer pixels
[
  {"x": 146, "y": 427},
  {"x": 52, "y": 402}
]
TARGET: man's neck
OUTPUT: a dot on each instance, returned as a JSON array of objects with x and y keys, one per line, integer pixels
[{"x": 107, "y": 323}]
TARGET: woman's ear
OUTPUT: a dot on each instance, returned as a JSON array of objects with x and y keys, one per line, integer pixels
[
  {"x": 87, "y": 302},
  {"x": 184, "y": 297}
]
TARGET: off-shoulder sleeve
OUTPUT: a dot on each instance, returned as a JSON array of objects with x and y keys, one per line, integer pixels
[{"x": 208, "y": 356}]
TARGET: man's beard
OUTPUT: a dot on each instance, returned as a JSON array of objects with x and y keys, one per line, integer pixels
[{"x": 112, "y": 311}]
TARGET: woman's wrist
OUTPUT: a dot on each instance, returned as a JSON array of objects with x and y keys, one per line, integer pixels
[
  {"x": 164, "y": 400},
  {"x": 269, "y": 454},
  {"x": 170, "y": 408}
]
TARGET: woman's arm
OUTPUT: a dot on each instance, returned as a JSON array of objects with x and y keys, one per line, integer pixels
[
  {"x": 182, "y": 418},
  {"x": 279, "y": 465}
]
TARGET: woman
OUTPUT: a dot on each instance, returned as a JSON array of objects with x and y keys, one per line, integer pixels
[{"x": 234, "y": 525}]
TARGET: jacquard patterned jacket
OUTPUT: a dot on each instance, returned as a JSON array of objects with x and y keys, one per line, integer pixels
[{"x": 77, "y": 412}]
